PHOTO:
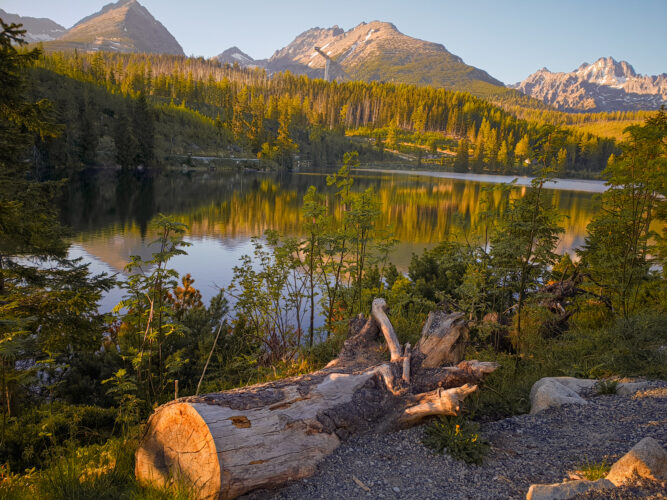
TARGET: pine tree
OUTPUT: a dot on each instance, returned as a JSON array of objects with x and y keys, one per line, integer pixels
[
  {"x": 46, "y": 312},
  {"x": 621, "y": 245},
  {"x": 504, "y": 156},
  {"x": 144, "y": 132},
  {"x": 478, "y": 158},
  {"x": 461, "y": 160},
  {"x": 127, "y": 147},
  {"x": 523, "y": 246},
  {"x": 522, "y": 150}
]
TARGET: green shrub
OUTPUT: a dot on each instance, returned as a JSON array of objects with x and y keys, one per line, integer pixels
[
  {"x": 620, "y": 348},
  {"x": 624, "y": 347},
  {"x": 504, "y": 392},
  {"x": 40, "y": 433},
  {"x": 606, "y": 387},
  {"x": 594, "y": 470},
  {"x": 458, "y": 436},
  {"x": 102, "y": 472}
]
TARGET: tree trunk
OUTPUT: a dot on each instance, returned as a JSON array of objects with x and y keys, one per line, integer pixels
[{"x": 229, "y": 443}]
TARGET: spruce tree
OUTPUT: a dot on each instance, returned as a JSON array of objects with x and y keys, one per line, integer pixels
[
  {"x": 48, "y": 305},
  {"x": 461, "y": 161}
]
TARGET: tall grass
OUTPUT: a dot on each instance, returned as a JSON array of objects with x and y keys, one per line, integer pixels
[
  {"x": 97, "y": 472},
  {"x": 623, "y": 347}
]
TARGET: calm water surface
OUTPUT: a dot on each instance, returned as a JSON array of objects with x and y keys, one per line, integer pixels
[{"x": 111, "y": 212}]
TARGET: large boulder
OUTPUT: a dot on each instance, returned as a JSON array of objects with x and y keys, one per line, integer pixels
[
  {"x": 647, "y": 459},
  {"x": 565, "y": 490},
  {"x": 630, "y": 388},
  {"x": 553, "y": 392}
]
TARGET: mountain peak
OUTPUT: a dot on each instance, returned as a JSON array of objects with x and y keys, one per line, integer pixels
[
  {"x": 235, "y": 55},
  {"x": 604, "y": 85},
  {"x": 378, "y": 24},
  {"x": 606, "y": 70},
  {"x": 37, "y": 29},
  {"x": 124, "y": 26},
  {"x": 378, "y": 51}
]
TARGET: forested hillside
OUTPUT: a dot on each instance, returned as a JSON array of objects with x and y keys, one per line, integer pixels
[{"x": 275, "y": 118}]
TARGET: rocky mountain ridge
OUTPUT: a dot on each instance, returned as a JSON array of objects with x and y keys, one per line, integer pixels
[
  {"x": 37, "y": 29},
  {"x": 605, "y": 85},
  {"x": 124, "y": 26},
  {"x": 234, "y": 55},
  {"x": 375, "y": 51}
]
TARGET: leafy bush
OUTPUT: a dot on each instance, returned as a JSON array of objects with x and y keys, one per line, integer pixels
[{"x": 459, "y": 437}]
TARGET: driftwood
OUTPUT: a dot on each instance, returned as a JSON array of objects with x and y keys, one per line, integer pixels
[{"x": 228, "y": 443}]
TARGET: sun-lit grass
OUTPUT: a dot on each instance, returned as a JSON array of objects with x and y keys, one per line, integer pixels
[
  {"x": 610, "y": 129},
  {"x": 97, "y": 472},
  {"x": 624, "y": 347},
  {"x": 593, "y": 470},
  {"x": 459, "y": 437}
]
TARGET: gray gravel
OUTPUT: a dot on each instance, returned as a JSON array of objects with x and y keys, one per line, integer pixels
[{"x": 526, "y": 449}]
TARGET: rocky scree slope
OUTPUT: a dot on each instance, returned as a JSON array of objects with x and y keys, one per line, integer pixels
[{"x": 605, "y": 85}]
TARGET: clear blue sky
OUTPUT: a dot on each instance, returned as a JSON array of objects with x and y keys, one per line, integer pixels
[{"x": 508, "y": 38}]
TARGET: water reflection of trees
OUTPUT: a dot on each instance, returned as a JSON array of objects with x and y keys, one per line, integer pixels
[{"x": 422, "y": 211}]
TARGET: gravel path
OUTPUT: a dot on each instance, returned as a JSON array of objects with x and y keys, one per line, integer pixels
[{"x": 526, "y": 449}]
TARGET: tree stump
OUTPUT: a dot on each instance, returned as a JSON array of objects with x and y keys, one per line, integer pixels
[{"x": 228, "y": 443}]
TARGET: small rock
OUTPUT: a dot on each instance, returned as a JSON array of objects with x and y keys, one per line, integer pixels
[
  {"x": 551, "y": 392},
  {"x": 647, "y": 458},
  {"x": 565, "y": 490},
  {"x": 396, "y": 489}
]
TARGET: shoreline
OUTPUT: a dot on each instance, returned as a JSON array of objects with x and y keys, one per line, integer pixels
[{"x": 581, "y": 185}]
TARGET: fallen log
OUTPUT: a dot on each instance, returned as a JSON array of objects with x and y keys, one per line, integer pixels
[{"x": 228, "y": 443}]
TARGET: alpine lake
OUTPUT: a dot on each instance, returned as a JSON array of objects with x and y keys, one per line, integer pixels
[{"x": 110, "y": 213}]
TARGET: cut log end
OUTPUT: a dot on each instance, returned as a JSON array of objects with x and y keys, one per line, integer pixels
[{"x": 178, "y": 444}]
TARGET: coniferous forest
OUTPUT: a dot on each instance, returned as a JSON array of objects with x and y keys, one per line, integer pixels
[
  {"x": 98, "y": 95},
  {"x": 78, "y": 384}
]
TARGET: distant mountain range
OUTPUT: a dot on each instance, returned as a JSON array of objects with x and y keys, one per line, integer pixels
[
  {"x": 605, "y": 85},
  {"x": 375, "y": 51},
  {"x": 37, "y": 29}
]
